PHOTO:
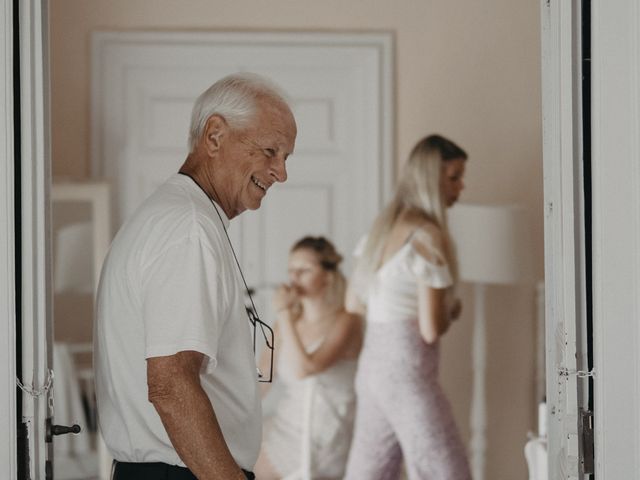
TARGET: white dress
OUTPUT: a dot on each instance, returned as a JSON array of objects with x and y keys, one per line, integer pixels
[{"x": 309, "y": 435}]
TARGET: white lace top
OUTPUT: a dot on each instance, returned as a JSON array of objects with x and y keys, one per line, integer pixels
[{"x": 391, "y": 295}]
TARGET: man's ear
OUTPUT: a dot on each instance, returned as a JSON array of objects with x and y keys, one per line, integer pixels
[{"x": 215, "y": 131}]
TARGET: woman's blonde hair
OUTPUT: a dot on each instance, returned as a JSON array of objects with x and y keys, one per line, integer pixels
[
  {"x": 418, "y": 191},
  {"x": 329, "y": 259}
]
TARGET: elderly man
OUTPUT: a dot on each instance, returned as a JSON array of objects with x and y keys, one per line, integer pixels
[{"x": 176, "y": 377}]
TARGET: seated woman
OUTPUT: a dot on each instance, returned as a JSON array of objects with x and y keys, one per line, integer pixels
[{"x": 317, "y": 345}]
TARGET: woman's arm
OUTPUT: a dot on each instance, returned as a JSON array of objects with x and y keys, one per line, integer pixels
[
  {"x": 352, "y": 301},
  {"x": 345, "y": 332},
  {"x": 433, "y": 314}
]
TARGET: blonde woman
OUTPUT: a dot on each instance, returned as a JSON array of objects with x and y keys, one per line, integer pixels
[
  {"x": 317, "y": 344},
  {"x": 404, "y": 282}
]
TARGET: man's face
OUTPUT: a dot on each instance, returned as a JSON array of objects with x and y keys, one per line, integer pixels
[{"x": 256, "y": 157}]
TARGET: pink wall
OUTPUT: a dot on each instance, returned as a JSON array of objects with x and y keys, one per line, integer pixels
[{"x": 467, "y": 69}]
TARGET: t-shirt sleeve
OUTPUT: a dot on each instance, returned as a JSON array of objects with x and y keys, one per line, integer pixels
[{"x": 183, "y": 302}]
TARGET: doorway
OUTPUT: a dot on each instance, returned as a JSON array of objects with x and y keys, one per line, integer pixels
[{"x": 143, "y": 88}]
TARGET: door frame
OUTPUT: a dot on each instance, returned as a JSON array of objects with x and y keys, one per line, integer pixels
[
  {"x": 8, "y": 443},
  {"x": 612, "y": 453},
  {"x": 616, "y": 236},
  {"x": 565, "y": 235},
  {"x": 36, "y": 399}
]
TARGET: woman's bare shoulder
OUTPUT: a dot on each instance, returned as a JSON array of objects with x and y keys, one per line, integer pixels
[
  {"x": 416, "y": 222},
  {"x": 432, "y": 229}
]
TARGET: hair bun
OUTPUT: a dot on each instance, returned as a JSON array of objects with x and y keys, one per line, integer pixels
[{"x": 327, "y": 254}]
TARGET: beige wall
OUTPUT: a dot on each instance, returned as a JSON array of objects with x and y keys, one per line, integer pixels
[{"x": 465, "y": 68}]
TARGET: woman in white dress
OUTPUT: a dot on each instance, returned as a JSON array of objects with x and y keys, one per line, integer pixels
[
  {"x": 317, "y": 345},
  {"x": 405, "y": 280}
]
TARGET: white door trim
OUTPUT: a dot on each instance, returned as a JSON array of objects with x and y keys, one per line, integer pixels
[
  {"x": 8, "y": 450},
  {"x": 381, "y": 42},
  {"x": 35, "y": 250},
  {"x": 563, "y": 234},
  {"x": 616, "y": 236}
]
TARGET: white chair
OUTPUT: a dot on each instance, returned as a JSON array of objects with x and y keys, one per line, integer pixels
[
  {"x": 74, "y": 459},
  {"x": 535, "y": 451}
]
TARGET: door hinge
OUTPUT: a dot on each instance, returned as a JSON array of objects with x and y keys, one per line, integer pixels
[
  {"x": 48, "y": 470},
  {"x": 565, "y": 372},
  {"x": 585, "y": 431}
]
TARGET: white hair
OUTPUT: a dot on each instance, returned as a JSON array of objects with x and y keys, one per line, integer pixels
[{"x": 234, "y": 98}]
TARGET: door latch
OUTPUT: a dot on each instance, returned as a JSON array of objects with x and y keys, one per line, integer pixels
[
  {"x": 587, "y": 454},
  {"x": 59, "y": 430}
]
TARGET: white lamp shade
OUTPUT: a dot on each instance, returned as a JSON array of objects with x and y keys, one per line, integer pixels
[{"x": 494, "y": 244}]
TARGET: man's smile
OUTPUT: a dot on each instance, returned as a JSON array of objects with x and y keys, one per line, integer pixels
[{"x": 258, "y": 183}]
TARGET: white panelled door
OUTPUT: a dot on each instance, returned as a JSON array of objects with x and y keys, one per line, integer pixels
[{"x": 144, "y": 85}]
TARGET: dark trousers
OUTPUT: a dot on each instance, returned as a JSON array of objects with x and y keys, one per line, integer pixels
[{"x": 155, "y": 471}]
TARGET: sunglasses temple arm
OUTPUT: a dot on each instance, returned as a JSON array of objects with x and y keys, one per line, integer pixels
[{"x": 269, "y": 339}]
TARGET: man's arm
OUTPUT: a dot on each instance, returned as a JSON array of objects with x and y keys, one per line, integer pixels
[{"x": 188, "y": 416}]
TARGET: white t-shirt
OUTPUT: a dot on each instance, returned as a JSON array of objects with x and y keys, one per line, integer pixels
[{"x": 170, "y": 284}]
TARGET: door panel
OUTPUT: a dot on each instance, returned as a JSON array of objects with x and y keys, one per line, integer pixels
[{"x": 340, "y": 91}]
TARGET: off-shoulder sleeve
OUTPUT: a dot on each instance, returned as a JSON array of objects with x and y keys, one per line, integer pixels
[
  {"x": 428, "y": 262},
  {"x": 433, "y": 274}
]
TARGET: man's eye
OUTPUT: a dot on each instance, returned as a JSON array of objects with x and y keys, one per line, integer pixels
[{"x": 270, "y": 152}]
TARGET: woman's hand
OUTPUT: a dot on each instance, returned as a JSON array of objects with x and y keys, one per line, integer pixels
[
  {"x": 285, "y": 298},
  {"x": 455, "y": 310}
]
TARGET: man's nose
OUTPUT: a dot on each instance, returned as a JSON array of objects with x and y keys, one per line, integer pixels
[{"x": 279, "y": 169}]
